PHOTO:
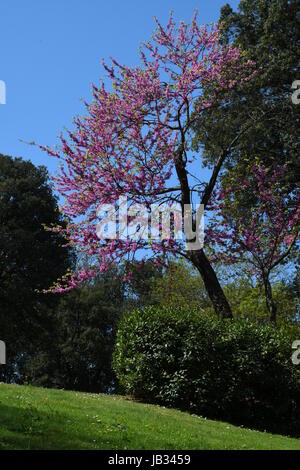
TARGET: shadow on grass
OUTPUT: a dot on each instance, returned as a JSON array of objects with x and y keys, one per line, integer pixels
[{"x": 31, "y": 428}]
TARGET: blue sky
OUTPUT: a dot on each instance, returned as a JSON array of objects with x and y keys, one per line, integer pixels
[{"x": 51, "y": 52}]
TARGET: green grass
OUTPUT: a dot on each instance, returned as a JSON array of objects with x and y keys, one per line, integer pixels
[{"x": 37, "y": 418}]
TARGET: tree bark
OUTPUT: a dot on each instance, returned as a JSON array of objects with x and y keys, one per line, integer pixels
[
  {"x": 271, "y": 306},
  {"x": 198, "y": 258},
  {"x": 212, "y": 285}
]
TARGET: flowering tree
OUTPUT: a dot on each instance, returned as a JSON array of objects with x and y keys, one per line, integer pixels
[
  {"x": 262, "y": 236},
  {"x": 135, "y": 141}
]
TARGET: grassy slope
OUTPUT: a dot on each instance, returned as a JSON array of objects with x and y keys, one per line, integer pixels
[{"x": 36, "y": 418}]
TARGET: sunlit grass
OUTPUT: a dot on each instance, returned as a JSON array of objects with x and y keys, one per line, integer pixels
[{"x": 37, "y": 418}]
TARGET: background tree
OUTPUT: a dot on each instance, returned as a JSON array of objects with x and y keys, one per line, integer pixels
[
  {"x": 180, "y": 285},
  {"x": 77, "y": 352},
  {"x": 269, "y": 33},
  {"x": 137, "y": 137},
  {"x": 247, "y": 299},
  {"x": 263, "y": 236},
  {"x": 30, "y": 257},
  {"x": 142, "y": 280}
]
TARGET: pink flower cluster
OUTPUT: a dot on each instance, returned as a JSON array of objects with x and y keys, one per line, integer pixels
[
  {"x": 127, "y": 142},
  {"x": 266, "y": 233}
]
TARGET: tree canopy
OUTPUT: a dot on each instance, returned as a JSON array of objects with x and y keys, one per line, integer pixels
[
  {"x": 30, "y": 257},
  {"x": 136, "y": 138}
]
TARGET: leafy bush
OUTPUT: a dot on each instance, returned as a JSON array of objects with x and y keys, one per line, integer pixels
[{"x": 236, "y": 371}]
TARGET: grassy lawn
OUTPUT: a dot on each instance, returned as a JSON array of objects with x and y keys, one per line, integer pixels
[{"x": 37, "y": 418}]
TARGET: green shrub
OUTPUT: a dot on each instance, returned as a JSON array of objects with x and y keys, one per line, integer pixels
[{"x": 231, "y": 370}]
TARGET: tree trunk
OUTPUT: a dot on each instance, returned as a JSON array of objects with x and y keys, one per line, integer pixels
[
  {"x": 212, "y": 285},
  {"x": 271, "y": 306},
  {"x": 198, "y": 257}
]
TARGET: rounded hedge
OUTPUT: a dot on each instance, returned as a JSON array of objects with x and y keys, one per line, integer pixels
[{"x": 235, "y": 371}]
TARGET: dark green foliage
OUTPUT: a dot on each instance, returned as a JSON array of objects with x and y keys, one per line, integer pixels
[
  {"x": 31, "y": 258},
  {"x": 77, "y": 354},
  {"x": 269, "y": 33},
  {"x": 229, "y": 370},
  {"x": 141, "y": 284}
]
